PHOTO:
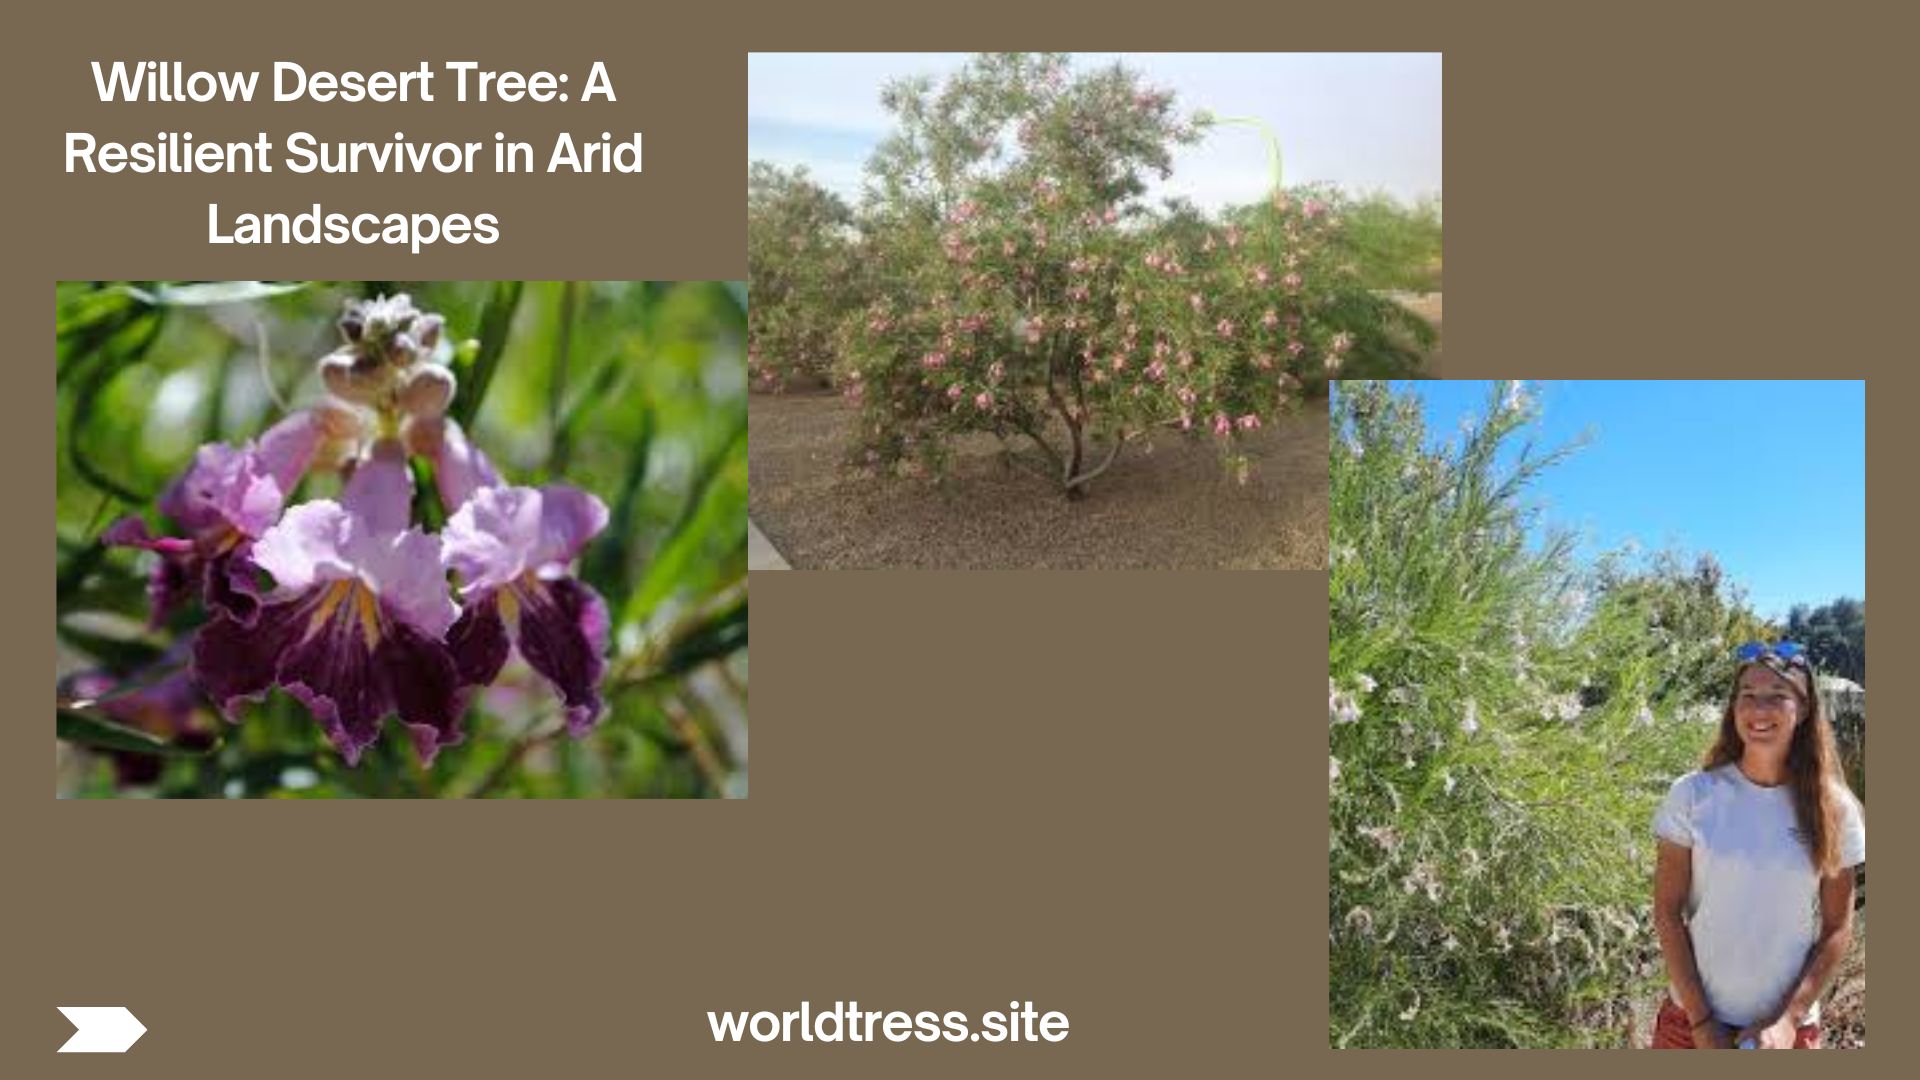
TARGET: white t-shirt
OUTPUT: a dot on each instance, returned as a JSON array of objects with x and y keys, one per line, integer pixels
[{"x": 1754, "y": 909}]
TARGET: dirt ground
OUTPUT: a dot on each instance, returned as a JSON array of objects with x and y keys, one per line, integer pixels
[{"x": 1171, "y": 507}]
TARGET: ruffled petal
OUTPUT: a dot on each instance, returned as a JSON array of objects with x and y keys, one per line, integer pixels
[
  {"x": 478, "y": 641},
  {"x": 406, "y": 571},
  {"x": 569, "y": 518},
  {"x": 420, "y": 677},
  {"x": 231, "y": 584},
  {"x": 381, "y": 490},
  {"x": 285, "y": 451},
  {"x": 460, "y": 468},
  {"x": 347, "y": 658},
  {"x": 562, "y": 634},
  {"x": 309, "y": 545},
  {"x": 176, "y": 575},
  {"x": 491, "y": 539}
]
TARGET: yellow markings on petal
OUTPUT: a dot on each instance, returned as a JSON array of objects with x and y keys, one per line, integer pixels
[
  {"x": 368, "y": 608},
  {"x": 329, "y": 602},
  {"x": 364, "y": 606},
  {"x": 510, "y": 607}
]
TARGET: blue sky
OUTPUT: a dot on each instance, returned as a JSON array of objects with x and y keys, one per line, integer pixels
[
  {"x": 1364, "y": 121},
  {"x": 1770, "y": 477}
]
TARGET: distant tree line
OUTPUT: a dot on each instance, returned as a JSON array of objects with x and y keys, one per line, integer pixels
[{"x": 1835, "y": 635}]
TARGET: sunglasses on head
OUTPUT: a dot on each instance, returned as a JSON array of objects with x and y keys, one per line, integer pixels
[{"x": 1789, "y": 653}]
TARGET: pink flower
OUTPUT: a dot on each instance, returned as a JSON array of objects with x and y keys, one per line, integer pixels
[
  {"x": 1197, "y": 301},
  {"x": 1295, "y": 348},
  {"x": 1271, "y": 319},
  {"x": 983, "y": 400},
  {"x": 934, "y": 361},
  {"x": 1186, "y": 421},
  {"x": 1006, "y": 247},
  {"x": 954, "y": 393},
  {"x": 1157, "y": 371},
  {"x": 1248, "y": 422},
  {"x": 1263, "y": 361},
  {"x": 1110, "y": 215},
  {"x": 1233, "y": 236},
  {"x": 1224, "y": 328},
  {"x": 1260, "y": 274},
  {"x": 1221, "y": 425},
  {"x": 1120, "y": 363},
  {"x": 1185, "y": 394},
  {"x": 1342, "y": 342},
  {"x": 1292, "y": 282}
]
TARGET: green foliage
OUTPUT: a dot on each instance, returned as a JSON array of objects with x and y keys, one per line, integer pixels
[
  {"x": 1393, "y": 245},
  {"x": 1503, "y": 722},
  {"x": 806, "y": 275},
  {"x": 632, "y": 390},
  {"x": 1021, "y": 286},
  {"x": 1835, "y": 635}
]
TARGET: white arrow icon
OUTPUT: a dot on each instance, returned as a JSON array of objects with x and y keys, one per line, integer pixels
[{"x": 100, "y": 1029}]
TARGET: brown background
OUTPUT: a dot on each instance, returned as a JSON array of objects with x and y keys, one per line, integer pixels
[{"x": 1097, "y": 791}]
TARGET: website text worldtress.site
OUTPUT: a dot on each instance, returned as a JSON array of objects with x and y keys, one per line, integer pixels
[{"x": 847, "y": 1022}]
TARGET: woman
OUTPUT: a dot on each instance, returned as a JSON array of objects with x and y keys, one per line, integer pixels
[{"x": 1753, "y": 896}]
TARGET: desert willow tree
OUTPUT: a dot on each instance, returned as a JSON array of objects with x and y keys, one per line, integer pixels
[{"x": 1024, "y": 289}]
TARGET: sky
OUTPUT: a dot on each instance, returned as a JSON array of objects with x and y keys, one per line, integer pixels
[
  {"x": 1367, "y": 122},
  {"x": 1770, "y": 477}
]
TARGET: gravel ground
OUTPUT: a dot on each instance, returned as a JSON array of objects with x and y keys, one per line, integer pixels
[{"x": 1172, "y": 507}]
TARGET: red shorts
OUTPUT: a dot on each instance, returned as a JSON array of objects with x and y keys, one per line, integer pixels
[{"x": 1673, "y": 1032}]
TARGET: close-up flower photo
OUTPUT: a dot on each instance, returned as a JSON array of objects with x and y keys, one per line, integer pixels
[{"x": 415, "y": 540}]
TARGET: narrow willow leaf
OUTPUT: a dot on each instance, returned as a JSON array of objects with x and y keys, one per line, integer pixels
[
  {"x": 85, "y": 729},
  {"x": 716, "y": 507},
  {"x": 210, "y": 293},
  {"x": 116, "y": 654},
  {"x": 474, "y": 377},
  {"x": 98, "y": 375}
]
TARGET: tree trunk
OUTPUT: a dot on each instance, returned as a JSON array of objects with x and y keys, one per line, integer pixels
[{"x": 1076, "y": 484}]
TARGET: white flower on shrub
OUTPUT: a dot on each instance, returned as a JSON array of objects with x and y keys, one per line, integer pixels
[
  {"x": 1365, "y": 683},
  {"x": 1333, "y": 770},
  {"x": 1516, "y": 398},
  {"x": 1341, "y": 706},
  {"x": 1383, "y": 835},
  {"x": 1470, "y": 722},
  {"x": 1563, "y": 707},
  {"x": 1361, "y": 920},
  {"x": 1643, "y": 718}
]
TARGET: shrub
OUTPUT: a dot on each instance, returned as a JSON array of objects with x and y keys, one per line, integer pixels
[
  {"x": 1503, "y": 723},
  {"x": 1026, "y": 291},
  {"x": 802, "y": 261}
]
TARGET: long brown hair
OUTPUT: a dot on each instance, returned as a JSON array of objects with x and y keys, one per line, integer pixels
[{"x": 1813, "y": 765}]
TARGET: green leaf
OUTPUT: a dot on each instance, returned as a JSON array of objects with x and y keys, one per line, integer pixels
[
  {"x": 119, "y": 655},
  {"x": 606, "y": 565},
  {"x": 475, "y": 375},
  {"x": 210, "y": 293},
  {"x": 713, "y": 508},
  {"x": 85, "y": 729},
  {"x": 97, "y": 376}
]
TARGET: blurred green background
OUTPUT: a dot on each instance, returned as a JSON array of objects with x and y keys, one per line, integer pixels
[{"x": 635, "y": 391}]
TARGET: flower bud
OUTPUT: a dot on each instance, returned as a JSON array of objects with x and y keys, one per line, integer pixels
[
  {"x": 427, "y": 391},
  {"x": 425, "y": 436},
  {"x": 352, "y": 377}
]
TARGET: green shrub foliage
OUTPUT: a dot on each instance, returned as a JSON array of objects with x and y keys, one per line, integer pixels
[{"x": 1503, "y": 722}]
